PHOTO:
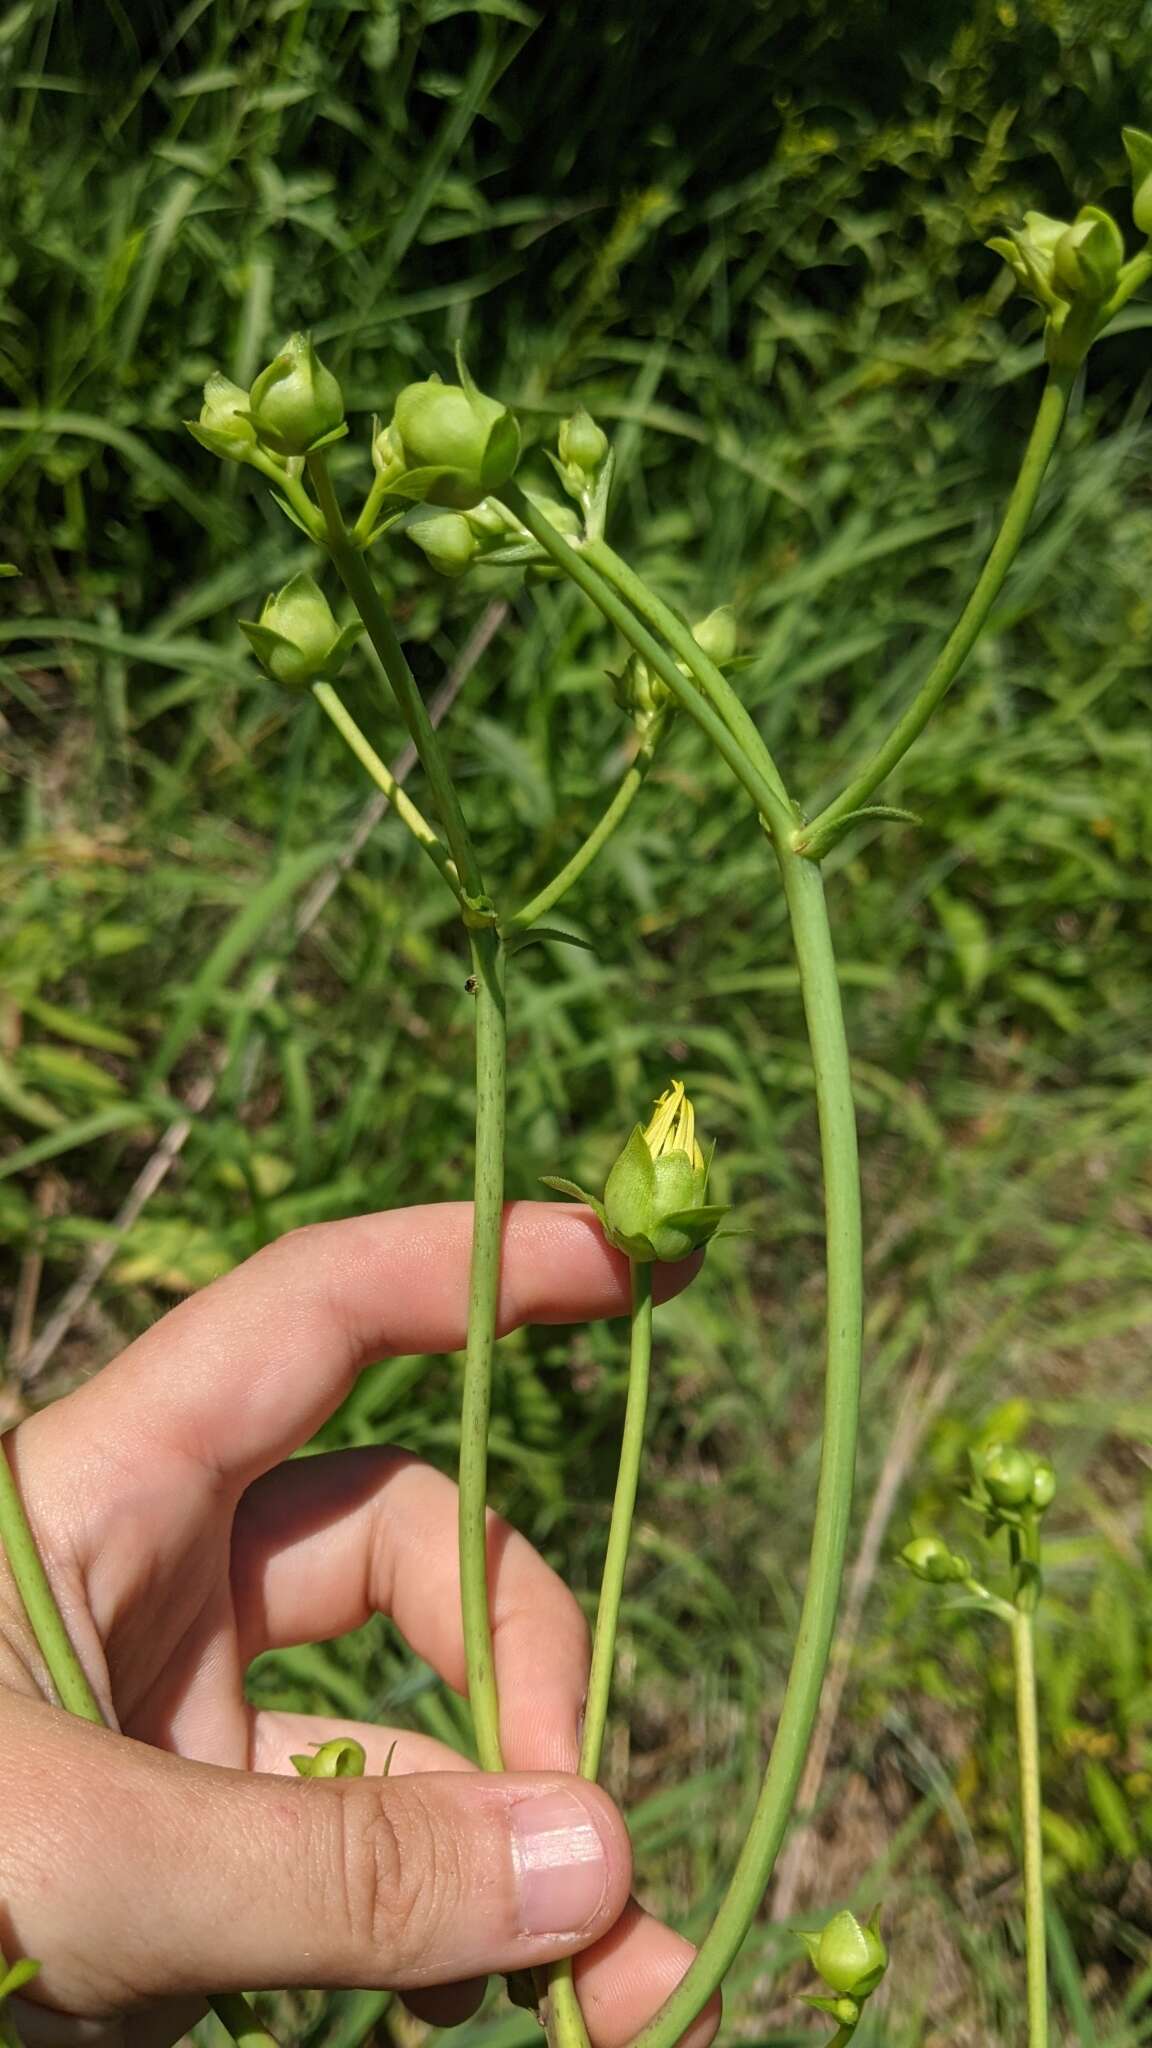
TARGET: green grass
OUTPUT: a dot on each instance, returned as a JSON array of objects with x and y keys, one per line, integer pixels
[{"x": 770, "y": 284}]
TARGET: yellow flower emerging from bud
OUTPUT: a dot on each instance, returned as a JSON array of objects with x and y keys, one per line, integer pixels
[{"x": 655, "y": 1201}]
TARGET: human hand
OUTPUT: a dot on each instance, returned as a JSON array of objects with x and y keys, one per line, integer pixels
[{"x": 182, "y": 1855}]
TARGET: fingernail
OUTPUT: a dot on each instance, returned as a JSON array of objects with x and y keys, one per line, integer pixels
[{"x": 560, "y": 1863}]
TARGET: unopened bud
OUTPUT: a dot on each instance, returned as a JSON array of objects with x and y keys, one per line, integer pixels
[
  {"x": 459, "y": 444},
  {"x": 1088, "y": 256},
  {"x": 1007, "y": 1475},
  {"x": 581, "y": 444},
  {"x": 1139, "y": 148},
  {"x": 448, "y": 541},
  {"x": 388, "y": 457},
  {"x": 296, "y": 638},
  {"x": 295, "y": 402},
  {"x": 850, "y": 1958},
  {"x": 929, "y": 1558},
  {"x": 1043, "y": 1484},
  {"x": 715, "y": 635}
]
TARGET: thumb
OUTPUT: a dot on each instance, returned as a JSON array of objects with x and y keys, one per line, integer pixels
[{"x": 135, "y": 1875}]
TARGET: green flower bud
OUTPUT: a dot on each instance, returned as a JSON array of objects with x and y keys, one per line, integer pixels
[
  {"x": 562, "y": 517},
  {"x": 1088, "y": 256},
  {"x": 459, "y": 444},
  {"x": 1007, "y": 1475},
  {"x": 225, "y": 410},
  {"x": 930, "y": 1558},
  {"x": 295, "y": 402},
  {"x": 343, "y": 1757},
  {"x": 489, "y": 523},
  {"x": 1139, "y": 148},
  {"x": 850, "y": 1958},
  {"x": 296, "y": 638},
  {"x": 582, "y": 445},
  {"x": 1030, "y": 252},
  {"x": 655, "y": 1199},
  {"x": 448, "y": 541},
  {"x": 388, "y": 457},
  {"x": 640, "y": 693},
  {"x": 716, "y": 634},
  {"x": 1043, "y": 1484}
]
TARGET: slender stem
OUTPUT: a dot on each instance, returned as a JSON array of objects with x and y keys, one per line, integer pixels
[
  {"x": 567, "y": 2028},
  {"x": 547, "y": 898},
  {"x": 580, "y": 571},
  {"x": 47, "y": 1624},
  {"x": 484, "y": 1290},
  {"x": 711, "y": 680},
  {"x": 815, "y": 838},
  {"x": 620, "y": 1527},
  {"x": 1028, "y": 1746},
  {"x": 357, "y": 580},
  {"x": 813, "y": 941},
  {"x": 386, "y": 782},
  {"x": 75, "y": 1694}
]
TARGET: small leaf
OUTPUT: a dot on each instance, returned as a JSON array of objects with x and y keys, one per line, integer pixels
[
  {"x": 578, "y": 1194},
  {"x": 290, "y": 512},
  {"x": 8, "y": 569},
  {"x": 21, "y": 1972},
  {"x": 516, "y": 941}
]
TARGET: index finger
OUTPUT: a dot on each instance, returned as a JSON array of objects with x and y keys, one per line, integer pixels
[{"x": 243, "y": 1373}]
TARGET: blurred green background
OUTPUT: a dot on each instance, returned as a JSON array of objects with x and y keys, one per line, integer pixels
[{"x": 750, "y": 238}]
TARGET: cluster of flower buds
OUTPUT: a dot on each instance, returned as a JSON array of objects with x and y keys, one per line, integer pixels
[
  {"x": 851, "y": 1958},
  {"x": 645, "y": 696},
  {"x": 296, "y": 638},
  {"x": 929, "y": 1558},
  {"x": 1009, "y": 1483},
  {"x": 655, "y": 1203},
  {"x": 294, "y": 406},
  {"x": 1076, "y": 269}
]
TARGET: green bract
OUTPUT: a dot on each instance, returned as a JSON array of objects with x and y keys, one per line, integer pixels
[
  {"x": 655, "y": 1202},
  {"x": 458, "y": 445},
  {"x": 1139, "y": 148},
  {"x": 1088, "y": 256},
  {"x": 296, "y": 638},
  {"x": 850, "y": 1958},
  {"x": 295, "y": 402},
  {"x": 343, "y": 1757}
]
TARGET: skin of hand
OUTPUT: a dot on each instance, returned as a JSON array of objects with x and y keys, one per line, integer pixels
[{"x": 177, "y": 1852}]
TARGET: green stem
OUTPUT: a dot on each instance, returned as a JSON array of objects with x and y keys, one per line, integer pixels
[
  {"x": 567, "y": 2028},
  {"x": 1028, "y": 1745},
  {"x": 547, "y": 898},
  {"x": 575, "y": 565},
  {"x": 710, "y": 679},
  {"x": 44, "y": 1617},
  {"x": 75, "y": 1694},
  {"x": 386, "y": 782},
  {"x": 484, "y": 1290},
  {"x": 804, "y": 893},
  {"x": 357, "y": 580},
  {"x": 815, "y": 838}
]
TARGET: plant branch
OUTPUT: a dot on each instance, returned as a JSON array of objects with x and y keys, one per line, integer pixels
[
  {"x": 617, "y": 810},
  {"x": 1028, "y": 1747},
  {"x": 422, "y": 832},
  {"x": 814, "y": 839},
  {"x": 358, "y": 582}
]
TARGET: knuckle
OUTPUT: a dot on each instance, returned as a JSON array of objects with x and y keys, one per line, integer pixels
[{"x": 399, "y": 1876}]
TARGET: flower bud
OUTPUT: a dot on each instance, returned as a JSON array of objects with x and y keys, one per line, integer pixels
[
  {"x": 447, "y": 540},
  {"x": 1088, "y": 256},
  {"x": 640, "y": 693},
  {"x": 716, "y": 634},
  {"x": 343, "y": 1757},
  {"x": 459, "y": 445},
  {"x": 929, "y": 1558},
  {"x": 296, "y": 638},
  {"x": 582, "y": 445},
  {"x": 1139, "y": 148},
  {"x": 1007, "y": 1475},
  {"x": 1030, "y": 252},
  {"x": 655, "y": 1199},
  {"x": 850, "y": 1958},
  {"x": 1043, "y": 1484},
  {"x": 295, "y": 401},
  {"x": 388, "y": 457},
  {"x": 225, "y": 410}
]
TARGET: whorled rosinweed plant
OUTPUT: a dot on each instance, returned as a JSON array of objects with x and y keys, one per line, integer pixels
[{"x": 443, "y": 476}]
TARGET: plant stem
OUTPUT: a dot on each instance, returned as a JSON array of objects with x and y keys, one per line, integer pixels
[
  {"x": 357, "y": 580},
  {"x": 1028, "y": 1746},
  {"x": 567, "y": 2028},
  {"x": 575, "y": 565},
  {"x": 814, "y": 839},
  {"x": 547, "y": 898},
  {"x": 44, "y": 1617},
  {"x": 484, "y": 1289},
  {"x": 75, "y": 1694},
  {"x": 386, "y": 782},
  {"x": 711, "y": 680}
]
